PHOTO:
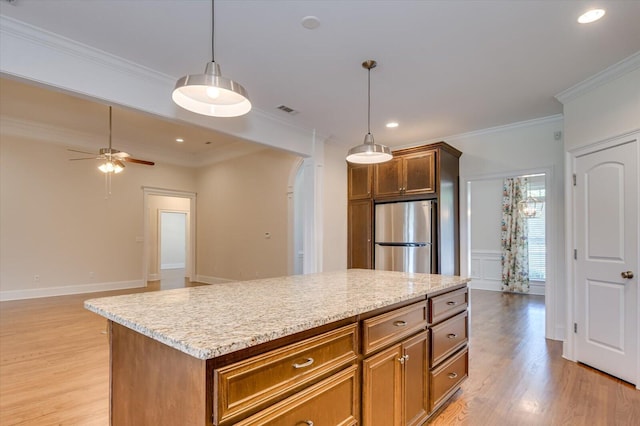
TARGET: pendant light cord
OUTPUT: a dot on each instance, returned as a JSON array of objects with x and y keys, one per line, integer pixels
[
  {"x": 110, "y": 120},
  {"x": 213, "y": 57},
  {"x": 369, "y": 101}
]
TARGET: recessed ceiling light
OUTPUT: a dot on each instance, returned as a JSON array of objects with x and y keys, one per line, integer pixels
[
  {"x": 179, "y": 140},
  {"x": 310, "y": 22},
  {"x": 591, "y": 16},
  {"x": 392, "y": 124}
]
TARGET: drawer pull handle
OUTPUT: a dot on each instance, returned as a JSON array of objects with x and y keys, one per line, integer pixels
[
  {"x": 452, "y": 335},
  {"x": 399, "y": 323},
  {"x": 307, "y": 363},
  {"x": 305, "y": 422},
  {"x": 453, "y": 375},
  {"x": 451, "y": 303}
]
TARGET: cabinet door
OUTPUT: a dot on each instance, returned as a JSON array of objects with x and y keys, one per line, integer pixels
[
  {"x": 360, "y": 177},
  {"x": 382, "y": 388},
  {"x": 359, "y": 243},
  {"x": 419, "y": 173},
  {"x": 416, "y": 379},
  {"x": 388, "y": 178}
]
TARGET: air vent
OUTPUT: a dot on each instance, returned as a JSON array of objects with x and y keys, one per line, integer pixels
[{"x": 288, "y": 110}]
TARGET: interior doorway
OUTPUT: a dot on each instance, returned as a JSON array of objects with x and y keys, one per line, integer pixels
[
  {"x": 481, "y": 244},
  {"x": 169, "y": 253}
]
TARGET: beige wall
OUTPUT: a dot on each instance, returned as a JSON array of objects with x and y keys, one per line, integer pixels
[
  {"x": 56, "y": 223},
  {"x": 239, "y": 202},
  {"x": 334, "y": 256}
]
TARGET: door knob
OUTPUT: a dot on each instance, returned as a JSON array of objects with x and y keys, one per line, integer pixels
[{"x": 627, "y": 275}]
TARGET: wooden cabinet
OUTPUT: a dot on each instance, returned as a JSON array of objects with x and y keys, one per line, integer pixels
[
  {"x": 260, "y": 380},
  {"x": 448, "y": 355},
  {"x": 395, "y": 384},
  {"x": 360, "y": 181},
  {"x": 410, "y": 174},
  {"x": 394, "y": 380},
  {"x": 428, "y": 172},
  {"x": 359, "y": 240},
  {"x": 333, "y": 401}
]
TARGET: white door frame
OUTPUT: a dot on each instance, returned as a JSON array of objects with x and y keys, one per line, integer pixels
[
  {"x": 553, "y": 324},
  {"x": 569, "y": 347},
  {"x": 190, "y": 267}
]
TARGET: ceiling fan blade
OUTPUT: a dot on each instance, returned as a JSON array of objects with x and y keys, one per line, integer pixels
[
  {"x": 85, "y": 158},
  {"x": 135, "y": 160},
  {"x": 81, "y": 152}
]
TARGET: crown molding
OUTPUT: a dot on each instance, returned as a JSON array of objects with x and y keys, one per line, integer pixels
[
  {"x": 491, "y": 130},
  {"x": 50, "y": 40},
  {"x": 605, "y": 76}
]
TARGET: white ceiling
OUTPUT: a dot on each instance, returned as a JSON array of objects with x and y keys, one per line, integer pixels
[{"x": 445, "y": 67}]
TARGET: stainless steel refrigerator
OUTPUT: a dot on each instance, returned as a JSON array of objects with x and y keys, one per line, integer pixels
[{"x": 403, "y": 236}]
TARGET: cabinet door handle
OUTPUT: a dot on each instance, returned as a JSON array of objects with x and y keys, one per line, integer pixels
[
  {"x": 307, "y": 363},
  {"x": 400, "y": 323},
  {"x": 452, "y": 335},
  {"x": 451, "y": 303},
  {"x": 305, "y": 422},
  {"x": 453, "y": 375},
  {"x": 403, "y": 358}
]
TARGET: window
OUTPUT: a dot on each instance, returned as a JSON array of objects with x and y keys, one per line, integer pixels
[{"x": 536, "y": 235}]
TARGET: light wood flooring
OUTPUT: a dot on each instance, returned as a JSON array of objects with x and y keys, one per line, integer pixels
[{"x": 54, "y": 368}]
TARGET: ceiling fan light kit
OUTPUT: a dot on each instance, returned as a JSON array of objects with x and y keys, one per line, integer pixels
[
  {"x": 210, "y": 93},
  {"x": 369, "y": 152}
]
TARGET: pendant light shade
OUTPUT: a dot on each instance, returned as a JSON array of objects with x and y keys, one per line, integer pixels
[
  {"x": 210, "y": 93},
  {"x": 530, "y": 207},
  {"x": 369, "y": 152}
]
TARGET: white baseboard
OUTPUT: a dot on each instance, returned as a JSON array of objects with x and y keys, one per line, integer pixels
[
  {"x": 485, "y": 285},
  {"x": 212, "y": 280},
  {"x": 34, "y": 293},
  {"x": 536, "y": 288}
]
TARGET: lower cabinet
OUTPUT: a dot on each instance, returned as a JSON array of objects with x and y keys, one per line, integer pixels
[
  {"x": 395, "y": 384},
  {"x": 334, "y": 401}
]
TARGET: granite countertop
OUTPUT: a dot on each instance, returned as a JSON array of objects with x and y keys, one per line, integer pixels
[{"x": 213, "y": 320}]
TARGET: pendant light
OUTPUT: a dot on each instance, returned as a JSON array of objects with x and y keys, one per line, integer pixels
[
  {"x": 530, "y": 207},
  {"x": 369, "y": 152},
  {"x": 210, "y": 93}
]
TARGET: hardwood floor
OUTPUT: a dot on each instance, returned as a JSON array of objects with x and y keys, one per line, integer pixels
[{"x": 54, "y": 368}]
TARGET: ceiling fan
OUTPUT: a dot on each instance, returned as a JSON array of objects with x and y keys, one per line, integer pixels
[{"x": 112, "y": 160}]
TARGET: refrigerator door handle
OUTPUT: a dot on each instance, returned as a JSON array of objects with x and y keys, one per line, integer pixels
[{"x": 403, "y": 244}]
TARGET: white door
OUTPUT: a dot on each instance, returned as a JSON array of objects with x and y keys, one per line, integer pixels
[{"x": 606, "y": 219}]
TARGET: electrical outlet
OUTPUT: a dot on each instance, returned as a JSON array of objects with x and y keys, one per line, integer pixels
[{"x": 36, "y": 278}]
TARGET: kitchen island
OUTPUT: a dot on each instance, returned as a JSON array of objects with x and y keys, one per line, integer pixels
[{"x": 324, "y": 349}]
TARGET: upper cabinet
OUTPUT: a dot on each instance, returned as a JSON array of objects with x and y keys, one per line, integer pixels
[
  {"x": 408, "y": 174},
  {"x": 360, "y": 181}
]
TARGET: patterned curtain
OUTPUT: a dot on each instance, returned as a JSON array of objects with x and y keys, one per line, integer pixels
[{"x": 515, "y": 256}]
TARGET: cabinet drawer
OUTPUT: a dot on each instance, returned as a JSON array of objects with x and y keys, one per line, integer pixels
[
  {"x": 446, "y": 378},
  {"x": 448, "y": 337},
  {"x": 267, "y": 378},
  {"x": 386, "y": 329},
  {"x": 334, "y": 401},
  {"x": 447, "y": 305}
]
